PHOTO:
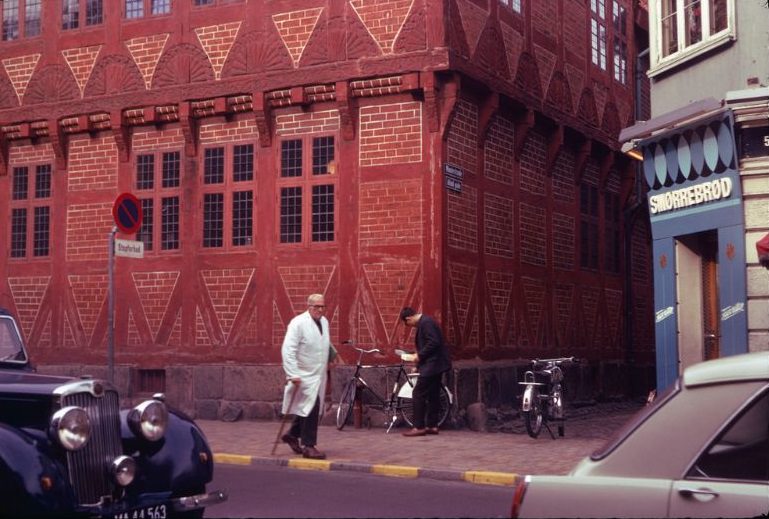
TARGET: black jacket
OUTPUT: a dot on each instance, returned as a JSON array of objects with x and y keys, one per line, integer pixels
[{"x": 433, "y": 353}]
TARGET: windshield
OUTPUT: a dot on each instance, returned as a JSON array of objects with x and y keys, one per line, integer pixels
[
  {"x": 11, "y": 349},
  {"x": 631, "y": 425}
]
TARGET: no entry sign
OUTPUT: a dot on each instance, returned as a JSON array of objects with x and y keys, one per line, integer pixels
[{"x": 127, "y": 213}]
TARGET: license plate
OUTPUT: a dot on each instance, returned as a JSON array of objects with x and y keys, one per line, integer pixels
[{"x": 147, "y": 512}]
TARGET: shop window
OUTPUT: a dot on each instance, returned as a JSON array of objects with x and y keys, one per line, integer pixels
[
  {"x": 513, "y": 5},
  {"x": 140, "y": 8},
  {"x": 30, "y": 219},
  {"x": 158, "y": 180},
  {"x": 228, "y": 196},
  {"x": 300, "y": 176},
  {"x": 682, "y": 29},
  {"x": 77, "y": 13},
  {"x": 598, "y": 33},
  {"x": 21, "y": 19}
]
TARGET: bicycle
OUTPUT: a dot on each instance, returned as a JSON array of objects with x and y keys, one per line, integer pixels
[
  {"x": 397, "y": 403},
  {"x": 542, "y": 402}
]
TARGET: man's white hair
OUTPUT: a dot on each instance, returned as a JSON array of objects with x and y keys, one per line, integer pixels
[{"x": 313, "y": 298}]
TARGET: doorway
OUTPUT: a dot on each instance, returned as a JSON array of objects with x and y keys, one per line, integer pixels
[{"x": 697, "y": 295}]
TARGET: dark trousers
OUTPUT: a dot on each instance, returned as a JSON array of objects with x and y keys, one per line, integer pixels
[
  {"x": 427, "y": 405},
  {"x": 306, "y": 427}
]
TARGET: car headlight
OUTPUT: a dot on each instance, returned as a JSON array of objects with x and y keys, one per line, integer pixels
[
  {"x": 71, "y": 427},
  {"x": 123, "y": 470},
  {"x": 149, "y": 420}
]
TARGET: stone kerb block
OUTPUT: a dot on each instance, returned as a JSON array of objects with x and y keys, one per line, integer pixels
[
  {"x": 207, "y": 409},
  {"x": 253, "y": 383},
  {"x": 179, "y": 388},
  {"x": 208, "y": 382}
]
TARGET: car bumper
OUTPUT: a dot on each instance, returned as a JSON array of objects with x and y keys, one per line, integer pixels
[{"x": 189, "y": 503}]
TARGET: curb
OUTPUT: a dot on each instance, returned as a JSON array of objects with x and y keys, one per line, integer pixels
[{"x": 477, "y": 477}]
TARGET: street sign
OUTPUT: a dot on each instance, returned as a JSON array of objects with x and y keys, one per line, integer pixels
[
  {"x": 127, "y": 213},
  {"x": 450, "y": 170},
  {"x": 129, "y": 248}
]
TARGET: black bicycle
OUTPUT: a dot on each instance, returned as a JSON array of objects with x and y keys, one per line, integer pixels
[
  {"x": 398, "y": 403},
  {"x": 542, "y": 399}
]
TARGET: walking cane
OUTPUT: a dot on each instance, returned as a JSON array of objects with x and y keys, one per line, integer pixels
[{"x": 285, "y": 418}]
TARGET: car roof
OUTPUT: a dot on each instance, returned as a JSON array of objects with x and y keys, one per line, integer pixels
[{"x": 735, "y": 368}]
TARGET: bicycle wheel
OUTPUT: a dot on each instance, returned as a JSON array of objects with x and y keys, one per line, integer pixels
[
  {"x": 532, "y": 418},
  {"x": 406, "y": 407},
  {"x": 344, "y": 410}
]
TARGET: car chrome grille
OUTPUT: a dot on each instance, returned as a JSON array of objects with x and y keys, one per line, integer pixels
[{"x": 88, "y": 467}]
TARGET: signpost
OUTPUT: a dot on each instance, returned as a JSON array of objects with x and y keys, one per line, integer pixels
[
  {"x": 453, "y": 175},
  {"x": 127, "y": 212}
]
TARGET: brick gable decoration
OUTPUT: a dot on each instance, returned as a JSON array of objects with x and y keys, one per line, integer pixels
[
  {"x": 295, "y": 28},
  {"x": 81, "y": 61},
  {"x": 383, "y": 19},
  {"x": 146, "y": 52},
  {"x": 390, "y": 134},
  {"x": 19, "y": 70},
  {"x": 473, "y": 20},
  {"x": 217, "y": 41}
]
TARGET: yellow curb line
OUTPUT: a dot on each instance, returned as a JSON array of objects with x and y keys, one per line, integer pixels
[
  {"x": 490, "y": 478},
  {"x": 232, "y": 459},
  {"x": 304, "y": 464},
  {"x": 398, "y": 471}
]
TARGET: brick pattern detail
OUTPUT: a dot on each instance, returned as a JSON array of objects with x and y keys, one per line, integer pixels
[
  {"x": 533, "y": 159},
  {"x": 302, "y": 280},
  {"x": 81, "y": 61},
  {"x": 576, "y": 77},
  {"x": 146, "y": 52},
  {"x": 575, "y": 43},
  {"x": 248, "y": 335},
  {"x": 383, "y": 19},
  {"x": 462, "y": 140},
  {"x": 278, "y": 330},
  {"x": 29, "y": 153},
  {"x": 87, "y": 228},
  {"x": 90, "y": 294},
  {"x": 498, "y": 225},
  {"x": 613, "y": 181},
  {"x": 175, "y": 339},
  {"x": 544, "y": 18},
  {"x": 462, "y": 226},
  {"x": 473, "y": 21},
  {"x": 364, "y": 336},
  {"x": 27, "y": 292},
  {"x": 591, "y": 174},
  {"x": 390, "y": 282},
  {"x": 532, "y": 233},
  {"x": 19, "y": 70},
  {"x": 462, "y": 278},
  {"x": 295, "y": 28},
  {"x": 390, "y": 134},
  {"x": 307, "y": 123},
  {"x": 133, "y": 339},
  {"x": 498, "y": 161},
  {"x": 390, "y": 213},
  {"x": 590, "y": 297},
  {"x": 227, "y": 288},
  {"x": 563, "y": 177},
  {"x": 151, "y": 139},
  {"x": 546, "y": 65},
  {"x": 614, "y": 310},
  {"x": 220, "y": 133},
  {"x": 514, "y": 46},
  {"x": 564, "y": 312},
  {"x": 92, "y": 164},
  {"x": 155, "y": 289},
  {"x": 564, "y": 246},
  {"x": 534, "y": 302},
  {"x": 202, "y": 339},
  {"x": 640, "y": 251},
  {"x": 499, "y": 285},
  {"x": 217, "y": 41}
]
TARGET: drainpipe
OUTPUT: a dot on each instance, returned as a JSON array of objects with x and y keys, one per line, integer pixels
[{"x": 630, "y": 216}]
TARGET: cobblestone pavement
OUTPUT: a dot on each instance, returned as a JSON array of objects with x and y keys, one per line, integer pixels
[{"x": 453, "y": 454}]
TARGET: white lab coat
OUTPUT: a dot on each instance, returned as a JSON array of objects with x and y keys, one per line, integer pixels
[{"x": 305, "y": 355}]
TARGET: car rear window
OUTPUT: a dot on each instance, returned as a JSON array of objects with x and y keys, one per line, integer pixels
[{"x": 636, "y": 420}]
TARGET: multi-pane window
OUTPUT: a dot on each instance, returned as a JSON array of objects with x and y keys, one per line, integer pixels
[
  {"x": 30, "y": 221},
  {"x": 685, "y": 28},
  {"x": 91, "y": 11},
  {"x": 138, "y": 8},
  {"x": 515, "y": 5},
  {"x": 598, "y": 33},
  {"x": 17, "y": 26},
  {"x": 306, "y": 188},
  {"x": 228, "y": 196},
  {"x": 588, "y": 235},
  {"x": 612, "y": 242},
  {"x": 619, "y": 23},
  {"x": 157, "y": 183}
]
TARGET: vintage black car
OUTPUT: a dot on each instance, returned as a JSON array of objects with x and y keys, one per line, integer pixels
[{"x": 66, "y": 448}]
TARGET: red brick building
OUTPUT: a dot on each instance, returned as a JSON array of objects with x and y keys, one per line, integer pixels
[{"x": 284, "y": 148}]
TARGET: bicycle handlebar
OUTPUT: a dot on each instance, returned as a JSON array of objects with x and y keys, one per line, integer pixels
[{"x": 556, "y": 361}]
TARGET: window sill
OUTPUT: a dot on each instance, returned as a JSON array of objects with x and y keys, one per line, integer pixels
[{"x": 692, "y": 52}]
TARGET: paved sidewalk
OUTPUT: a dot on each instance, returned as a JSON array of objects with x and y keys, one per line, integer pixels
[{"x": 480, "y": 457}]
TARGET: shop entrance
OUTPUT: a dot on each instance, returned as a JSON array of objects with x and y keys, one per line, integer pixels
[{"x": 699, "y": 332}]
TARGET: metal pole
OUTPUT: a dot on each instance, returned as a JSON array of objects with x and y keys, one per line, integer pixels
[{"x": 111, "y": 308}]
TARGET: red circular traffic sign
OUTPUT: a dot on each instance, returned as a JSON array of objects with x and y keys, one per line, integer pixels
[{"x": 127, "y": 213}]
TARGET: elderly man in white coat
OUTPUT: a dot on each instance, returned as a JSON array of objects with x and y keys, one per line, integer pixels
[{"x": 306, "y": 352}]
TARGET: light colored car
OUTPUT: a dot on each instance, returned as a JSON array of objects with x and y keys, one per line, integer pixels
[{"x": 700, "y": 450}]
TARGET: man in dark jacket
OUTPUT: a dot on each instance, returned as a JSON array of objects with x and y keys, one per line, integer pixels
[{"x": 432, "y": 362}]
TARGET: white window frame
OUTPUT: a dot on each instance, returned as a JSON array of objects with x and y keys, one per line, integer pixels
[{"x": 660, "y": 63}]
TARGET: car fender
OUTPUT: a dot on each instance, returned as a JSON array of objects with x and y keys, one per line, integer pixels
[
  {"x": 181, "y": 462},
  {"x": 24, "y": 471}
]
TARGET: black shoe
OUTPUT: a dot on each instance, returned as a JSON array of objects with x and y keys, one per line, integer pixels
[
  {"x": 313, "y": 453},
  {"x": 292, "y": 442}
]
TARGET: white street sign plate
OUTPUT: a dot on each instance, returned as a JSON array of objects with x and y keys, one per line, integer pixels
[{"x": 129, "y": 248}]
